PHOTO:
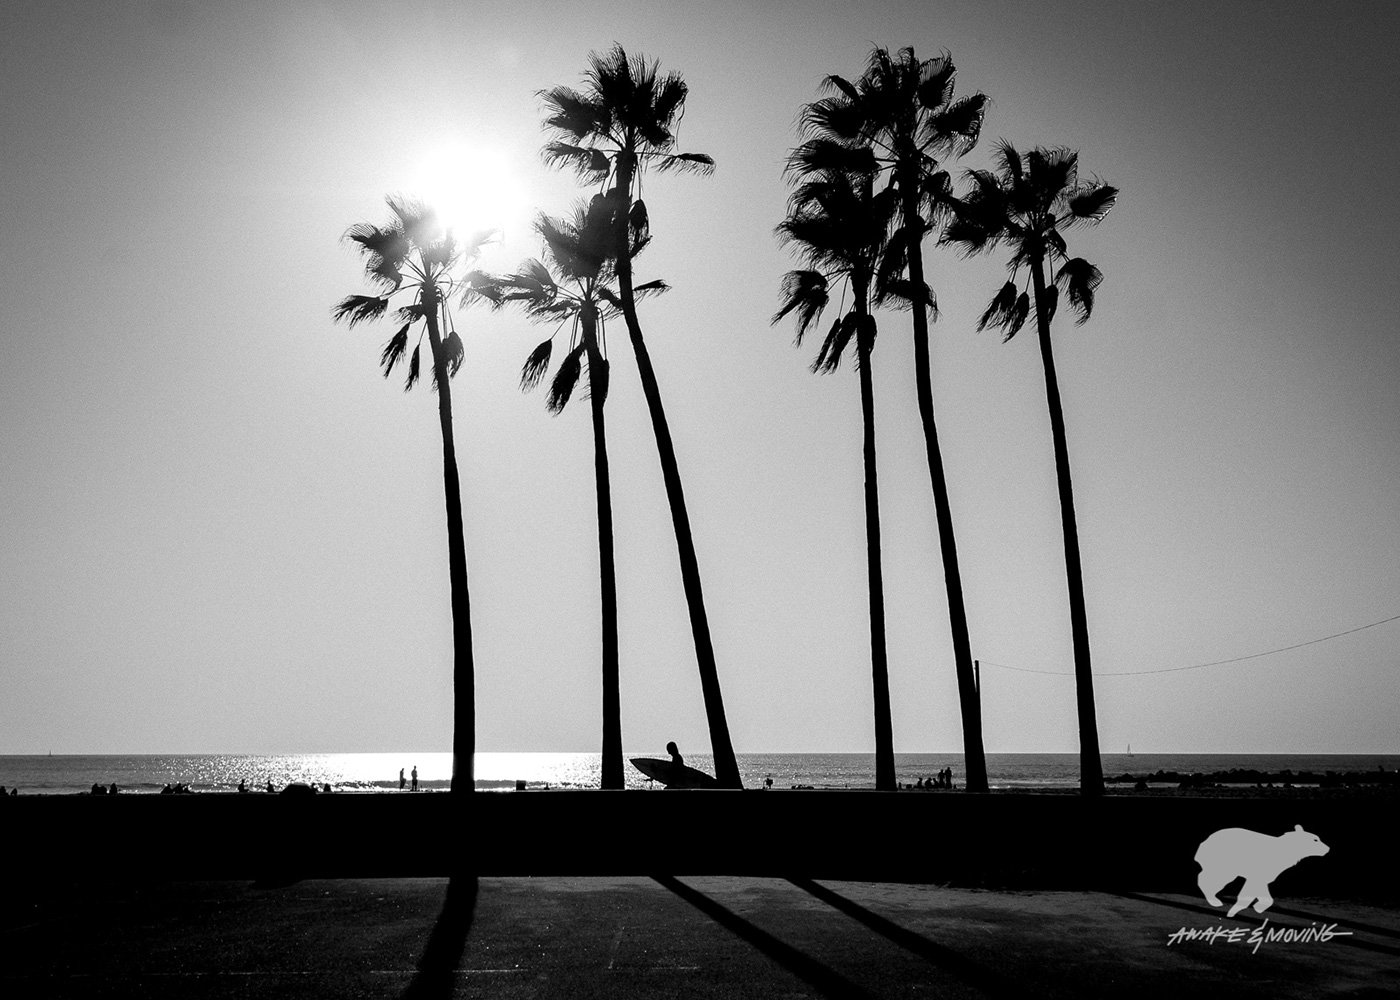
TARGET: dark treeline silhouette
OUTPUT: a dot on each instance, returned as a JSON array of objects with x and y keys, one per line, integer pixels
[
  {"x": 1024, "y": 205},
  {"x": 896, "y": 120},
  {"x": 620, "y": 123},
  {"x": 869, "y": 187},
  {"x": 572, "y": 289},
  {"x": 892, "y": 124},
  {"x": 414, "y": 254},
  {"x": 837, "y": 224}
]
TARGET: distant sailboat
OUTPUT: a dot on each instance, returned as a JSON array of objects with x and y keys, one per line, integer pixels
[{"x": 1130, "y": 749}]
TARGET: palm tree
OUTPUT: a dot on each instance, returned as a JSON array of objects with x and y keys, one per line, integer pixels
[
  {"x": 1025, "y": 205},
  {"x": 839, "y": 227},
  {"x": 570, "y": 288},
  {"x": 902, "y": 110},
  {"x": 413, "y": 254},
  {"x": 622, "y": 121}
]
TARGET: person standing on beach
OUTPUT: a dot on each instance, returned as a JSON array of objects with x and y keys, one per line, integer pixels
[
  {"x": 415, "y": 777},
  {"x": 402, "y": 782}
]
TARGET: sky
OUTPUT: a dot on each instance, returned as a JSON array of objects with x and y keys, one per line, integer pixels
[{"x": 221, "y": 530}]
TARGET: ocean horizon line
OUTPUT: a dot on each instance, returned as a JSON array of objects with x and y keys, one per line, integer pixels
[{"x": 702, "y": 753}]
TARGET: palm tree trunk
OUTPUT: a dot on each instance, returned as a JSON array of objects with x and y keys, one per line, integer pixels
[
  {"x": 463, "y": 668},
  {"x": 726, "y": 765},
  {"x": 607, "y": 572},
  {"x": 879, "y": 661},
  {"x": 968, "y": 700},
  {"x": 1090, "y": 764}
]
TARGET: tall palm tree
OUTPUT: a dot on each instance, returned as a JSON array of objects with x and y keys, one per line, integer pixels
[
  {"x": 838, "y": 225},
  {"x": 571, "y": 289},
  {"x": 623, "y": 121},
  {"x": 415, "y": 256},
  {"x": 1025, "y": 204},
  {"x": 903, "y": 110}
]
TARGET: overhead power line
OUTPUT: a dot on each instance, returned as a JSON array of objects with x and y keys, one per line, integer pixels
[{"x": 1195, "y": 666}]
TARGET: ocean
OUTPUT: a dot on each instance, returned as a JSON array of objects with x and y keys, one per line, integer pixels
[{"x": 379, "y": 772}]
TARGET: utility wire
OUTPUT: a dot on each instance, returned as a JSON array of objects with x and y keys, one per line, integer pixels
[{"x": 1196, "y": 666}]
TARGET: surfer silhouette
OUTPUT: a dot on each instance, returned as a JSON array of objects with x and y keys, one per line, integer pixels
[{"x": 675, "y": 753}]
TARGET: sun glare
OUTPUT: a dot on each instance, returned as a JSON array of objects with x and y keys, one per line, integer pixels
[{"x": 472, "y": 188}]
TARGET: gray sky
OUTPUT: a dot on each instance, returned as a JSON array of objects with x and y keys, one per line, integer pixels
[{"x": 222, "y": 530}]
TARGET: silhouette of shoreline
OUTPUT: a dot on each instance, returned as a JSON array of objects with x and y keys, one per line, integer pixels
[{"x": 1132, "y": 842}]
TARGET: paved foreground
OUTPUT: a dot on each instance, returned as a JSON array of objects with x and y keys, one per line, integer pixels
[{"x": 622, "y": 937}]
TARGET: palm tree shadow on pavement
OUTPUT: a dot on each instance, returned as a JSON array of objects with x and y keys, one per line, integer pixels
[
  {"x": 945, "y": 958},
  {"x": 822, "y": 978},
  {"x": 437, "y": 969}
]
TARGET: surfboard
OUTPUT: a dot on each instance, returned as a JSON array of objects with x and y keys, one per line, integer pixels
[{"x": 673, "y": 775}]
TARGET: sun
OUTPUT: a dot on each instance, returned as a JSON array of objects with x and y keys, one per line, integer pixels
[{"x": 472, "y": 187}]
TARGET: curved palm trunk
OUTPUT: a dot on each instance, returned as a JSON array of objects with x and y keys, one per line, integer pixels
[
  {"x": 726, "y": 766},
  {"x": 607, "y": 572},
  {"x": 1090, "y": 764},
  {"x": 879, "y": 661},
  {"x": 463, "y": 668},
  {"x": 968, "y": 698}
]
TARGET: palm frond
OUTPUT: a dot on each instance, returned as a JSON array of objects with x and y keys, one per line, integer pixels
[
  {"x": 536, "y": 365},
  {"x": 385, "y": 272},
  {"x": 901, "y": 293},
  {"x": 531, "y": 283},
  {"x": 935, "y": 86},
  {"x": 1001, "y": 308},
  {"x": 564, "y": 381},
  {"x": 938, "y": 188},
  {"x": 958, "y": 126},
  {"x": 454, "y": 353},
  {"x": 840, "y": 85},
  {"x": 1017, "y": 319},
  {"x": 638, "y": 225},
  {"x": 1049, "y": 172},
  {"x": 418, "y": 219},
  {"x": 471, "y": 247},
  {"x": 834, "y": 346},
  {"x": 823, "y": 154},
  {"x": 1092, "y": 202},
  {"x": 972, "y": 231},
  {"x": 412, "y": 368},
  {"x": 668, "y": 98},
  {"x": 380, "y": 244},
  {"x": 590, "y": 164},
  {"x": 647, "y": 289},
  {"x": 1009, "y": 161},
  {"x": 805, "y": 293},
  {"x": 686, "y": 163},
  {"x": 360, "y": 308},
  {"x": 478, "y": 285},
  {"x": 393, "y": 350},
  {"x": 572, "y": 114},
  {"x": 442, "y": 253},
  {"x": 1080, "y": 279}
]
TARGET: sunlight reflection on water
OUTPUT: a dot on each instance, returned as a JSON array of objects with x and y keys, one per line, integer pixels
[{"x": 379, "y": 772}]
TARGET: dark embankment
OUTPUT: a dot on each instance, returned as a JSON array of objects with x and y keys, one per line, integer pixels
[{"x": 1020, "y": 840}]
